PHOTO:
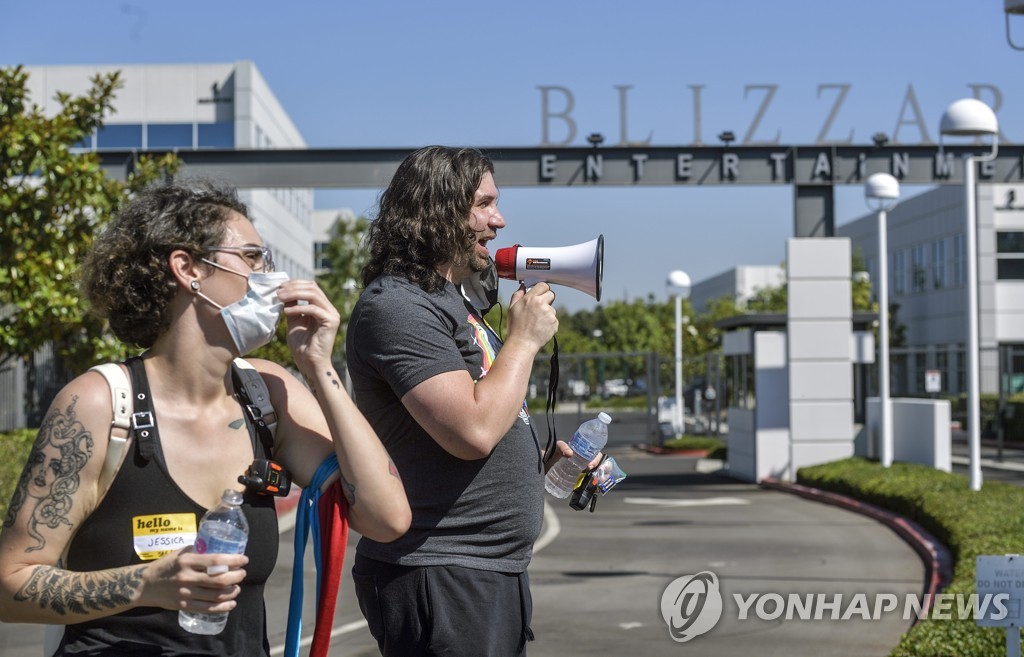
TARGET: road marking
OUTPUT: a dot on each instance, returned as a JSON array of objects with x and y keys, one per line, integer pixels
[
  {"x": 551, "y": 529},
  {"x": 338, "y": 631},
  {"x": 708, "y": 501},
  {"x": 989, "y": 463},
  {"x": 630, "y": 626}
]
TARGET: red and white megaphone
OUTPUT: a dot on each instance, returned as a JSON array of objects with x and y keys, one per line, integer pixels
[{"x": 580, "y": 266}]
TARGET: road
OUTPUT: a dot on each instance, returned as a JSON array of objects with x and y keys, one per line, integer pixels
[{"x": 597, "y": 582}]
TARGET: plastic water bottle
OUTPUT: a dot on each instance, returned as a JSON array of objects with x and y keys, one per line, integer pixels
[
  {"x": 588, "y": 440},
  {"x": 223, "y": 530}
]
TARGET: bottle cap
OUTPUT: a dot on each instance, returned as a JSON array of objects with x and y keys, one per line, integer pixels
[{"x": 604, "y": 417}]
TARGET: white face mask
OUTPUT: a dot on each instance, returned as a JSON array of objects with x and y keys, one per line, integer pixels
[{"x": 252, "y": 320}]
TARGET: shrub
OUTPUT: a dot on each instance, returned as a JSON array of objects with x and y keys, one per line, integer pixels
[
  {"x": 14, "y": 448},
  {"x": 969, "y": 523},
  {"x": 694, "y": 443}
]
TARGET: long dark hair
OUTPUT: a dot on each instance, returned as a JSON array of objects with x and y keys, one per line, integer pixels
[{"x": 423, "y": 218}]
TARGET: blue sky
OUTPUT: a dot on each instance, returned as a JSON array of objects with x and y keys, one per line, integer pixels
[{"x": 407, "y": 74}]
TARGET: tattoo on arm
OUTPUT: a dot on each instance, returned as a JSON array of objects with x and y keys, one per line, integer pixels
[
  {"x": 393, "y": 470},
  {"x": 237, "y": 424},
  {"x": 52, "y": 474},
  {"x": 77, "y": 593},
  {"x": 348, "y": 489},
  {"x": 334, "y": 379}
]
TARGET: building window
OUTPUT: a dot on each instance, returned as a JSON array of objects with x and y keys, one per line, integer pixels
[
  {"x": 942, "y": 365},
  {"x": 919, "y": 271},
  {"x": 872, "y": 266},
  {"x": 1010, "y": 255},
  {"x": 169, "y": 135},
  {"x": 86, "y": 143},
  {"x": 119, "y": 136},
  {"x": 959, "y": 260},
  {"x": 939, "y": 264},
  {"x": 899, "y": 272},
  {"x": 320, "y": 259},
  {"x": 216, "y": 135}
]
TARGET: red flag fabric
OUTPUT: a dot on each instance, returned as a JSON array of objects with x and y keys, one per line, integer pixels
[{"x": 333, "y": 512}]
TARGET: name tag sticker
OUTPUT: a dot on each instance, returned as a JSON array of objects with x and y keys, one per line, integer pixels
[{"x": 155, "y": 536}]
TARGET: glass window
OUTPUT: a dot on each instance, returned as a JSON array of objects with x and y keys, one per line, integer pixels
[
  {"x": 1010, "y": 242},
  {"x": 1010, "y": 255},
  {"x": 169, "y": 135},
  {"x": 216, "y": 135},
  {"x": 899, "y": 272},
  {"x": 86, "y": 143},
  {"x": 918, "y": 268},
  {"x": 320, "y": 258},
  {"x": 1010, "y": 269},
  {"x": 959, "y": 260},
  {"x": 939, "y": 264},
  {"x": 119, "y": 136}
]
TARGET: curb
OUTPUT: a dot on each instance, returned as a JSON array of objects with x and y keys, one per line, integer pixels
[{"x": 938, "y": 563}]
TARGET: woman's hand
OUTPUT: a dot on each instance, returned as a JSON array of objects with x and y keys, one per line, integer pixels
[
  {"x": 185, "y": 580},
  {"x": 312, "y": 325}
]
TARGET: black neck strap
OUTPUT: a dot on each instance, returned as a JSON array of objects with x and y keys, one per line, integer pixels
[
  {"x": 549, "y": 411},
  {"x": 253, "y": 415},
  {"x": 143, "y": 420}
]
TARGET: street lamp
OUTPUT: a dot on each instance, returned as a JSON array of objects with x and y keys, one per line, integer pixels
[
  {"x": 882, "y": 193},
  {"x": 679, "y": 286},
  {"x": 1012, "y": 7},
  {"x": 969, "y": 117}
]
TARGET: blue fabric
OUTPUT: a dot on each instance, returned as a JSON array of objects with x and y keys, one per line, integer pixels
[{"x": 307, "y": 517}]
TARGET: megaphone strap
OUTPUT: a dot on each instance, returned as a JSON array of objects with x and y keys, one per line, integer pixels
[{"x": 549, "y": 411}]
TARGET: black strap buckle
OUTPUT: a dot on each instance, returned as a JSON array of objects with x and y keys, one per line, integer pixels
[{"x": 142, "y": 420}]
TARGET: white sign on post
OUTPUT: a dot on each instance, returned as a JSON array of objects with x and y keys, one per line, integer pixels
[
  {"x": 933, "y": 381},
  {"x": 1001, "y": 578}
]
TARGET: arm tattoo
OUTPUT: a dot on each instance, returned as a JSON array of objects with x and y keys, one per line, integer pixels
[
  {"x": 348, "y": 489},
  {"x": 393, "y": 470},
  {"x": 334, "y": 379},
  {"x": 52, "y": 474},
  {"x": 237, "y": 424},
  {"x": 77, "y": 593}
]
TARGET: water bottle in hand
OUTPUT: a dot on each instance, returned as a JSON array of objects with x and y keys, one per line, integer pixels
[
  {"x": 588, "y": 440},
  {"x": 223, "y": 530}
]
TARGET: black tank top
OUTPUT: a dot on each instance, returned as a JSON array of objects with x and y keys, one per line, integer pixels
[{"x": 142, "y": 492}]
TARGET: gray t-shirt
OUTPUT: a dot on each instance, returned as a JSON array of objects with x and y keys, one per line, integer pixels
[{"x": 484, "y": 513}]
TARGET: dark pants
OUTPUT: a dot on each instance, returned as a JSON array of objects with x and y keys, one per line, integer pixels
[{"x": 444, "y": 610}]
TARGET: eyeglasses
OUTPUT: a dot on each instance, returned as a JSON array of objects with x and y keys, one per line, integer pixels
[{"x": 259, "y": 258}]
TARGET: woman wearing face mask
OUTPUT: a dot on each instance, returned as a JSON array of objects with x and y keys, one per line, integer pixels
[{"x": 183, "y": 274}]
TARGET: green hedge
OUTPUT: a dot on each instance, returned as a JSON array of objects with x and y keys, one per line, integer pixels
[
  {"x": 14, "y": 448},
  {"x": 695, "y": 443},
  {"x": 969, "y": 523}
]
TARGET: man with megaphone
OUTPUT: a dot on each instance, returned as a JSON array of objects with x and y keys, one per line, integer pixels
[{"x": 447, "y": 398}]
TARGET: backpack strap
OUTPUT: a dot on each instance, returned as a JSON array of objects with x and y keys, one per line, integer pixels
[
  {"x": 252, "y": 392},
  {"x": 121, "y": 402},
  {"x": 120, "y": 428}
]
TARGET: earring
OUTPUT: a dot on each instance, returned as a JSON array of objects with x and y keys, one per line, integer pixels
[{"x": 195, "y": 286}]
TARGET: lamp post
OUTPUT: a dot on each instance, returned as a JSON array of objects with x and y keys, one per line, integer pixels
[
  {"x": 679, "y": 285},
  {"x": 1012, "y": 7},
  {"x": 969, "y": 117},
  {"x": 882, "y": 192}
]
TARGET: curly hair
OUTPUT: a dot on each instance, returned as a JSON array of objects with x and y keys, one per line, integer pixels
[
  {"x": 125, "y": 277},
  {"x": 422, "y": 222}
]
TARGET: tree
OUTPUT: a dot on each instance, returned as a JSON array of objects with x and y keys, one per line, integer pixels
[{"x": 52, "y": 202}]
